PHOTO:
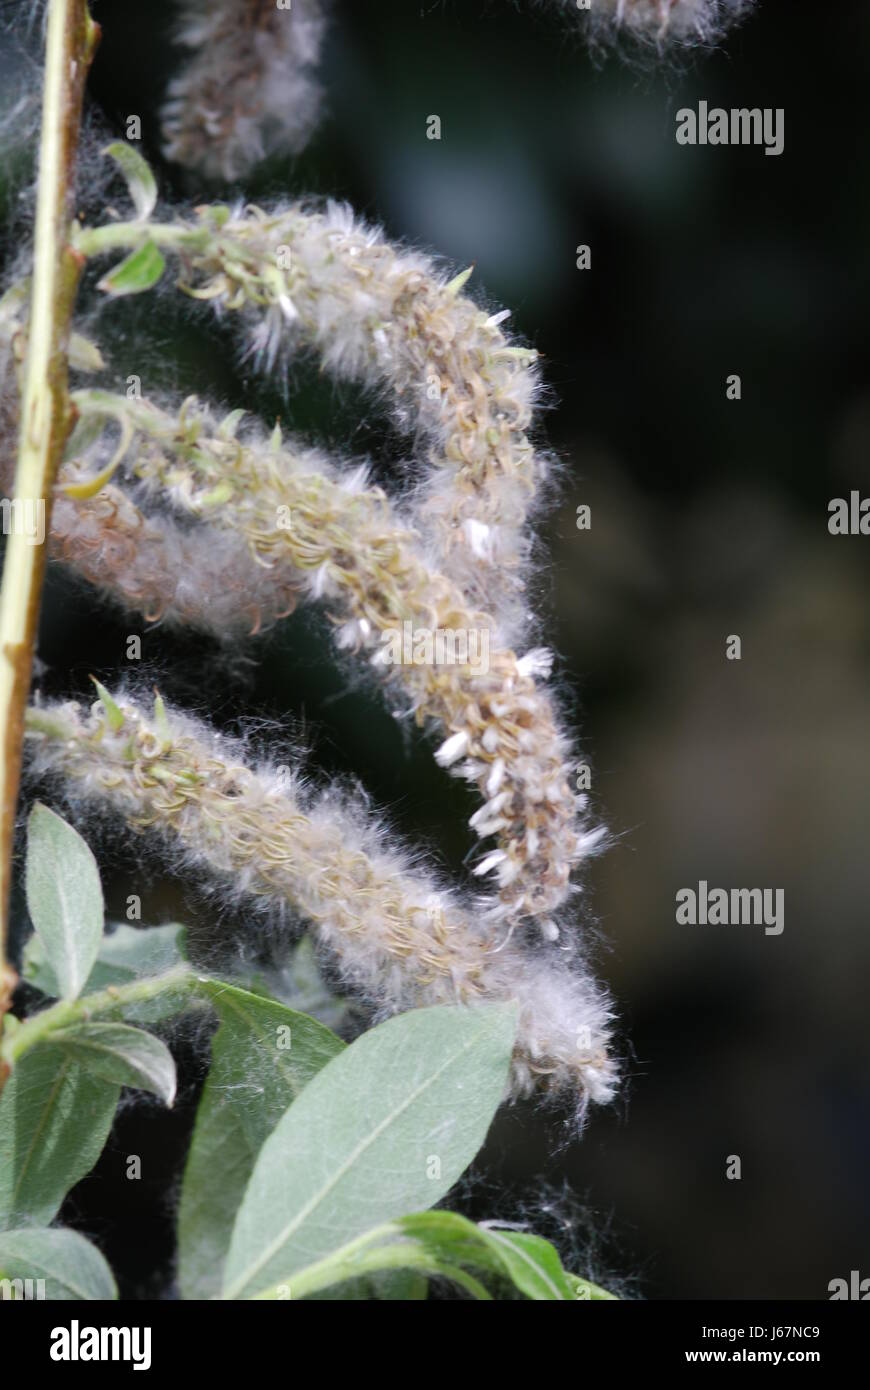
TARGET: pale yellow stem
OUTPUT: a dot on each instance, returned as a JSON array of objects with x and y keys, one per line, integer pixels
[{"x": 46, "y": 414}]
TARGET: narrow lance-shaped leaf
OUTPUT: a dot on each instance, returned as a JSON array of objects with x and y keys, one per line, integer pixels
[
  {"x": 64, "y": 898},
  {"x": 116, "y": 1052},
  {"x": 262, "y": 1056},
  {"x": 486, "y": 1261},
  {"x": 139, "y": 271},
  {"x": 528, "y": 1262},
  {"x": 137, "y": 173},
  {"x": 114, "y": 717},
  {"x": 54, "y": 1120},
  {"x": 387, "y": 1126},
  {"x": 61, "y": 1264},
  {"x": 532, "y": 1263}
]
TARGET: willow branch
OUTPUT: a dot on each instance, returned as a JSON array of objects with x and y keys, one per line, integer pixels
[{"x": 46, "y": 415}]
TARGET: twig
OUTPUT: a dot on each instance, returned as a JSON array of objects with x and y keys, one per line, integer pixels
[
  {"x": 46, "y": 413},
  {"x": 179, "y": 980}
]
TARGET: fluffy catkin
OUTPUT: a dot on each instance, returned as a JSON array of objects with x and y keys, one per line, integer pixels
[
  {"x": 677, "y": 22},
  {"x": 150, "y": 564},
  {"x": 375, "y": 312},
  {"x": 281, "y": 521},
  {"x": 163, "y": 571},
  {"x": 397, "y": 936},
  {"x": 249, "y": 89},
  {"x": 342, "y": 542}
]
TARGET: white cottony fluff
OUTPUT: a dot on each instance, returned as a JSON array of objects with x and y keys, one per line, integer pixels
[
  {"x": 390, "y": 317},
  {"x": 452, "y": 749},
  {"x": 538, "y": 662},
  {"x": 491, "y": 861},
  {"x": 313, "y": 532},
  {"x": 687, "y": 22},
  {"x": 249, "y": 90},
  {"x": 166, "y": 572},
  {"x": 397, "y": 935}
]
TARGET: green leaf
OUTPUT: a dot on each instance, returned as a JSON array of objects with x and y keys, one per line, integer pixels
[
  {"x": 71, "y": 1266},
  {"x": 530, "y": 1262},
  {"x": 251, "y": 1082},
  {"x": 126, "y": 953},
  {"x": 138, "y": 176},
  {"x": 114, "y": 716},
  {"x": 230, "y": 424},
  {"x": 115, "y": 1052},
  {"x": 54, "y": 1120},
  {"x": 36, "y": 970},
  {"x": 425, "y": 1245},
  {"x": 214, "y": 214},
  {"x": 388, "y": 1125},
  {"x": 84, "y": 355},
  {"x": 484, "y": 1260},
  {"x": 161, "y": 718},
  {"x": 582, "y": 1289},
  {"x": 64, "y": 898},
  {"x": 139, "y": 271}
]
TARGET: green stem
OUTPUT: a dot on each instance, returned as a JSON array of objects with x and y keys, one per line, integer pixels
[
  {"x": 132, "y": 412},
  {"x": 126, "y": 236},
  {"x": 110, "y": 1000},
  {"x": 46, "y": 415}
]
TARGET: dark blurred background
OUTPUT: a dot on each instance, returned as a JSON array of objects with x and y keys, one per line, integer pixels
[{"x": 709, "y": 518}]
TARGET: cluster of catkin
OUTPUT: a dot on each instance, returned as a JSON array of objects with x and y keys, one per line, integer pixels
[
  {"x": 202, "y": 518},
  {"x": 307, "y": 526},
  {"x": 250, "y": 87},
  {"x": 374, "y": 310},
  {"x": 338, "y": 540}
]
